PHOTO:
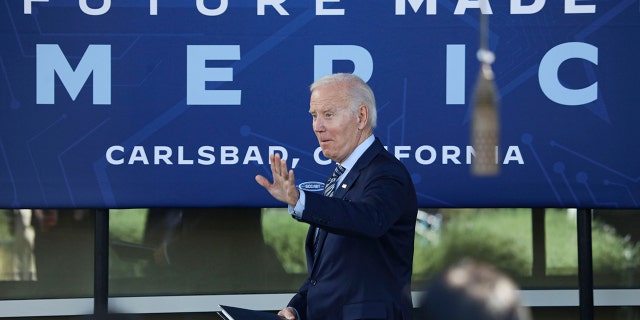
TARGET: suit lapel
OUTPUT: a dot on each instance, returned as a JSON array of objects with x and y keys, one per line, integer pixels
[
  {"x": 312, "y": 256},
  {"x": 340, "y": 191},
  {"x": 322, "y": 236},
  {"x": 354, "y": 173}
]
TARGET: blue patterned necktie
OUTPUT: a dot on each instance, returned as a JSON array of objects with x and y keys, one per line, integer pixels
[
  {"x": 332, "y": 183},
  {"x": 329, "y": 188}
]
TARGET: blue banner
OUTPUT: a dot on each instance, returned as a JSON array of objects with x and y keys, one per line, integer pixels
[{"x": 132, "y": 103}]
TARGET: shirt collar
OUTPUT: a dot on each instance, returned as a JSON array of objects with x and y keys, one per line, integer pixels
[{"x": 357, "y": 153}]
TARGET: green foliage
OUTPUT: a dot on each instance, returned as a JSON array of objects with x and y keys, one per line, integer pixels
[
  {"x": 503, "y": 238},
  {"x": 286, "y": 237},
  {"x": 127, "y": 224},
  {"x": 497, "y": 236},
  {"x": 613, "y": 254},
  {"x": 561, "y": 238}
]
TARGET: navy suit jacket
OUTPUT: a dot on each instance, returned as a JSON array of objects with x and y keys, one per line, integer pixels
[{"x": 363, "y": 269}]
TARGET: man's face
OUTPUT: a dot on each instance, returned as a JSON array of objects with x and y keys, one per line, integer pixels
[{"x": 335, "y": 126}]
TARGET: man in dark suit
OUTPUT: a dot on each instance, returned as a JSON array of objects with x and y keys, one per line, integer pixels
[{"x": 360, "y": 241}]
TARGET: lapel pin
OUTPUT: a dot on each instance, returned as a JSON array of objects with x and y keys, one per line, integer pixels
[{"x": 344, "y": 186}]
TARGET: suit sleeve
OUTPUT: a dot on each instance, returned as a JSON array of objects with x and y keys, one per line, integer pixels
[
  {"x": 299, "y": 301},
  {"x": 380, "y": 197}
]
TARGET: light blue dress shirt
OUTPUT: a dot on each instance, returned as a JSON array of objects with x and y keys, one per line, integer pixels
[{"x": 296, "y": 211}]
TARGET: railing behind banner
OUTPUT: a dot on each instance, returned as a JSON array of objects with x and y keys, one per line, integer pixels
[
  {"x": 547, "y": 299},
  {"x": 253, "y": 283}
]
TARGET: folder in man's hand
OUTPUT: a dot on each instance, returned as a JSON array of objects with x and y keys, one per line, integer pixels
[{"x": 235, "y": 313}]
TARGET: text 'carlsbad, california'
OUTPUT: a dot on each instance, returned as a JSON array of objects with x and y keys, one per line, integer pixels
[{"x": 233, "y": 155}]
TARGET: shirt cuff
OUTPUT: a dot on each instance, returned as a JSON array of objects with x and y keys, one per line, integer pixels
[{"x": 296, "y": 211}]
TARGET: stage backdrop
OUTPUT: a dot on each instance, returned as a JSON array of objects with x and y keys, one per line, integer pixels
[{"x": 137, "y": 103}]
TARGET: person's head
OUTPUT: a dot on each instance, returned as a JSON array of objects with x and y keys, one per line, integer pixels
[
  {"x": 343, "y": 109},
  {"x": 472, "y": 290}
]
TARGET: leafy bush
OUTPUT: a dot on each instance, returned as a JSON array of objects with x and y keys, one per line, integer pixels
[
  {"x": 503, "y": 237},
  {"x": 612, "y": 254},
  {"x": 286, "y": 237},
  {"x": 487, "y": 235}
]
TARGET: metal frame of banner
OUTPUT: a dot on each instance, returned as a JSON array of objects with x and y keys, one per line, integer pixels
[
  {"x": 585, "y": 264},
  {"x": 101, "y": 267}
]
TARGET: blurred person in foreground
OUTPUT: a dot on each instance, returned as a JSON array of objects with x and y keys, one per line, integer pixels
[
  {"x": 472, "y": 290},
  {"x": 361, "y": 229}
]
